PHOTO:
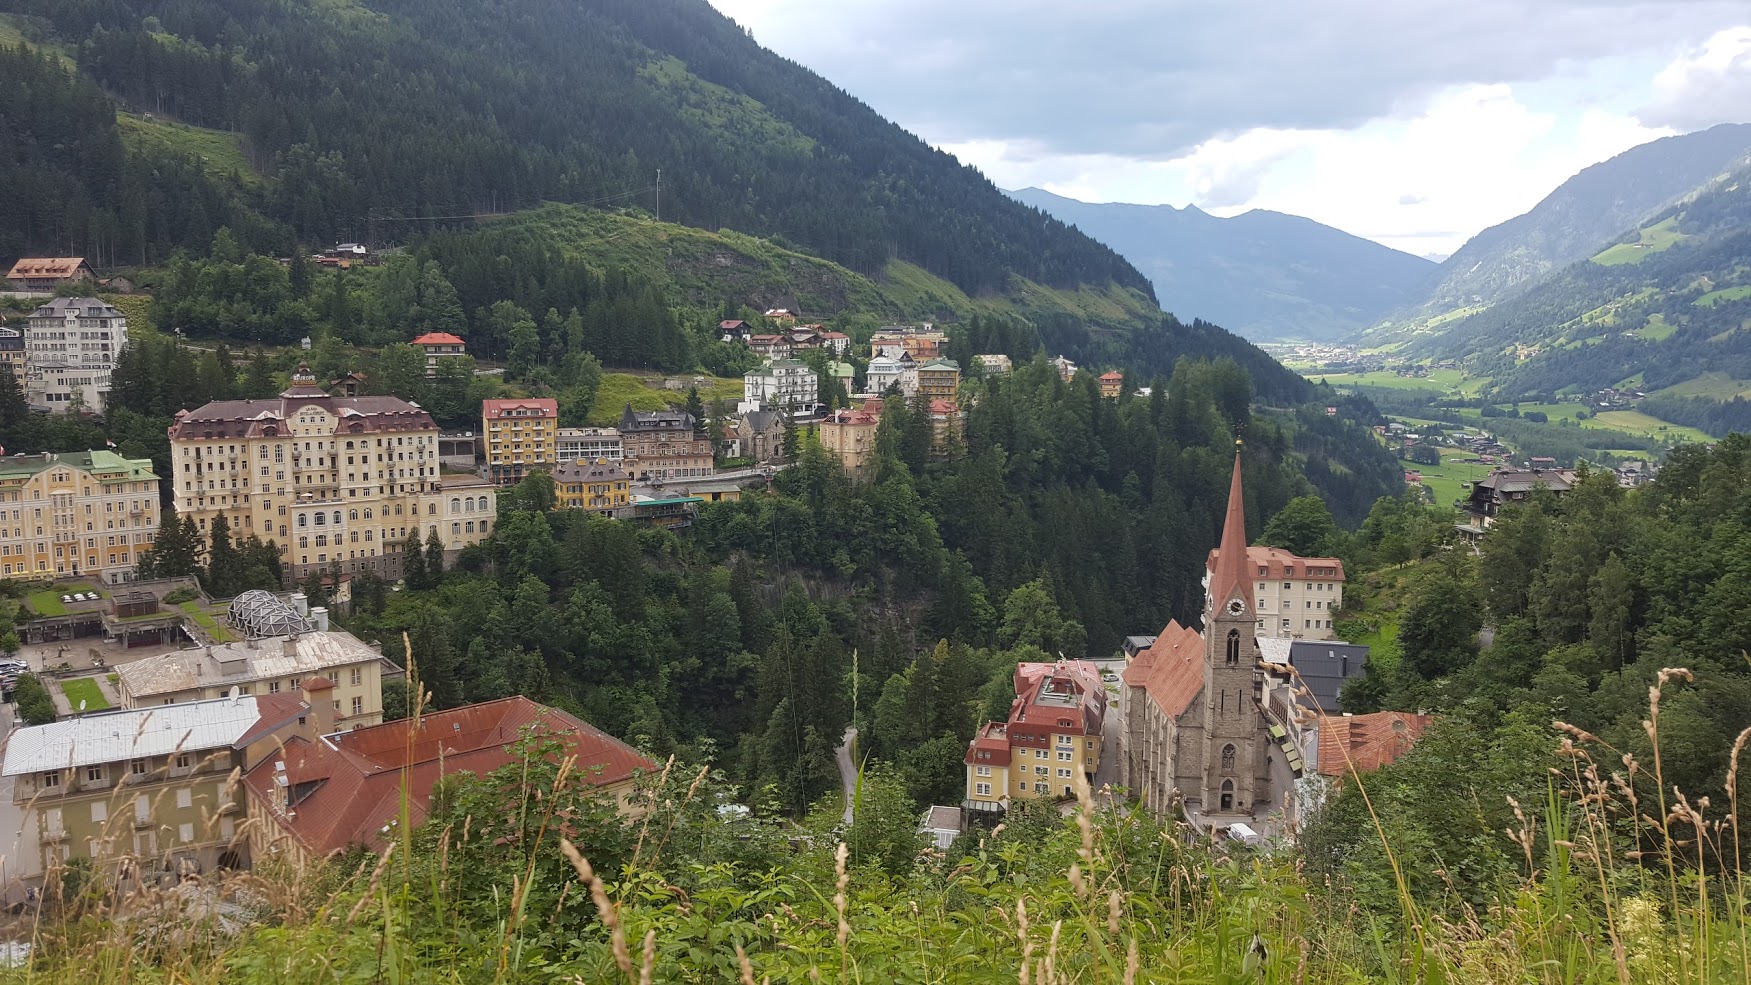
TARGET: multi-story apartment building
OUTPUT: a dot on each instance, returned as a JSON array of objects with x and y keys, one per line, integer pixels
[
  {"x": 922, "y": 344},
  {"x": 850, "y": 435},
  {"x": 440, "y": 345},
  {"x": 522, "y": 435},
  {"x": 948, "y": 429},
  {"x": 1051, "y": 738},
  {"x": 788, "y": 386},
  {"x": 1112, "y": 383},
  {"x": 994, "y": 364},
  {"x": 601, "y": 486},
  {"x": 80, "y": 514},
  {"x": 267, "y": 666},
  {"x": 590, "y": 445},
  {"x": 664, "y": 444},
  {"x": 329, "y": 479},
  {"x": 143, "y": 794},
  {"x": 12, "y": 353},
  {"x": 885, "y": 372},
  {"x": 1293, "y": 596},
  {"x": 71, "y": 346},
  {"x": 940, "y": 379}
]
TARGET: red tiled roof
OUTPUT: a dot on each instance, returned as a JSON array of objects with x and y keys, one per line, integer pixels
[
  {"x": 357, "y": 775},
  {"x": 43, "y": 268},
  {"x": 1367, "y": 742},
  {"x": 1035, "y": 682},
  {"x": 1171, "y": 671},
  {"x": 993, "y": 740},
  {"x": 276, "y": 710},
  {"x": 437, "y": 338},
  {"x": 545, "y": 406},
  {"x": 1271, "y": 563},
  {"x": 943, "y": 406},
  {"x": 318, "y": 684},
  {"x": 251, "y": 418},
  {"x": 1114, "y": 377}
]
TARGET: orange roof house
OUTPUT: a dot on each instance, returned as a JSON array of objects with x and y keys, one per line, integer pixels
[
  {"x": 1360, "y": 743},
  {"x": 46, "y": 273},
  {"x": 321, "y": 797},
  {"x": 1111, "y": 383}
]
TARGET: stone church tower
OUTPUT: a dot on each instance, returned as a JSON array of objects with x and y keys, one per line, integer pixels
[{"x": 1235, "y": 774}]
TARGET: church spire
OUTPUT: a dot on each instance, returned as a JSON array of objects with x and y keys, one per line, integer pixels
[{"x": 1229, "y": 580}]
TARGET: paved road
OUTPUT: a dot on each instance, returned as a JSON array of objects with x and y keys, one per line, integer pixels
[{"x": 847, "y": 770}]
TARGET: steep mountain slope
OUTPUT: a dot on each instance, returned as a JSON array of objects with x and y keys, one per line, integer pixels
[
  {"x": 1664, "y": 308},
  {"x": 378, "y": 118},
  {"x": 1264, "y": 275},
  {"x": 1570, "y": 224}
]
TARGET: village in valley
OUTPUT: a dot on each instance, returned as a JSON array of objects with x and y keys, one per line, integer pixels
[{"x": 1240, "y": 724}]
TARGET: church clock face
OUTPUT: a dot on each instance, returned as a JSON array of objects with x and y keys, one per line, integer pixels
[{"x": 1236, "y": 607}]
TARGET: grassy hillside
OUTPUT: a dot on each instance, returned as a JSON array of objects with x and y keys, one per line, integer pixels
[
  {"x": 220, "y": 151},
  {"x": 701, "y": 269}
]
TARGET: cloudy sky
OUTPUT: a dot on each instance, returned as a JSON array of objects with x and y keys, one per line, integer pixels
[{"x": 1412, "y": 122}]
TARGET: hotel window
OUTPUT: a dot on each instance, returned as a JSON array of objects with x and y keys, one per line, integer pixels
[
  {"x": 1065, "y": 755},
  {"x": 982, "y": 770},
  {"x": 94, "y": 774},
  {"x": 357, "y": 676},
  {"x": 137, "y": 767},
  {"x": 1064, "y": 774},
  {"x": 1042, "y": 787},
  {"x": 52, "y": 778},
  {"x": 984, "y": 789},
  {"x": 182, "y": 759}
]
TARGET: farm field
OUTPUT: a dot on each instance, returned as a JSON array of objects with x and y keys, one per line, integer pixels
[
  {"x": 1713, "y": 298},
  {"x": 1638, "y": 423},
  {"x": 1453, "y": 381},
  {"x": 1448, "y": 481},
  {"x": 1714, "y": 385},
  {"x": 1660, "y": 236}
]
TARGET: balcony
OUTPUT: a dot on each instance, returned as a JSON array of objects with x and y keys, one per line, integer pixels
[{"x": 54, "y": 836}]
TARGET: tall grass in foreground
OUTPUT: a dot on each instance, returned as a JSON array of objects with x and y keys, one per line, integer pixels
[{"x": 1623, "y": 880}]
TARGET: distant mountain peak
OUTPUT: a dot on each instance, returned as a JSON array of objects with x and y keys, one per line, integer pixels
[{"x": 1265, "y": 275}]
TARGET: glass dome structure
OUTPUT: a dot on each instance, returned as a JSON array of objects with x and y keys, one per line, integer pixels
[{"x": 259, "y": 614}]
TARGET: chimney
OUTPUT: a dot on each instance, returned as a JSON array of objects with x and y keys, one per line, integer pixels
[
  {"x": 301, "y": 602},
  {"x": 289, "y": 646},
  {"x": 319, "y": 616},
  {"x": 318, "y": 693}
]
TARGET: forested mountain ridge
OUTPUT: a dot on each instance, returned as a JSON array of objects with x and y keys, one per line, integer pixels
[
  {"x": 1665, "y": 308},
  {"x": 1570, "y": 224},
  {"x": 370, "y": 118},
  {"x": 1262, "y": 275}
]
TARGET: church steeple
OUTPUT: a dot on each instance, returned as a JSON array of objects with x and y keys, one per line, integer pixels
[{"x": 1229, "y": 581}]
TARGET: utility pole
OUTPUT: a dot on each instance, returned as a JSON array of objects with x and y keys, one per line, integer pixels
[{"x": 659, "y": 194}]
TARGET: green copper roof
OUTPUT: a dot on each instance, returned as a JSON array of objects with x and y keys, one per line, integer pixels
[{"x": 103, "y": 463}]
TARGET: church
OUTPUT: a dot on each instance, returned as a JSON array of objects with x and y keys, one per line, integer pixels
[
  {"x": 1194, "y": 727},
  {"x": 1218, "y": 725}
]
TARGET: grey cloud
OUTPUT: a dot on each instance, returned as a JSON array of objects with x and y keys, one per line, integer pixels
[{"x": 1153, "y": 78}]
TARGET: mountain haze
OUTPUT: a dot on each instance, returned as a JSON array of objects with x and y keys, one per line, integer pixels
[{"x": 1264, "y": 275}]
